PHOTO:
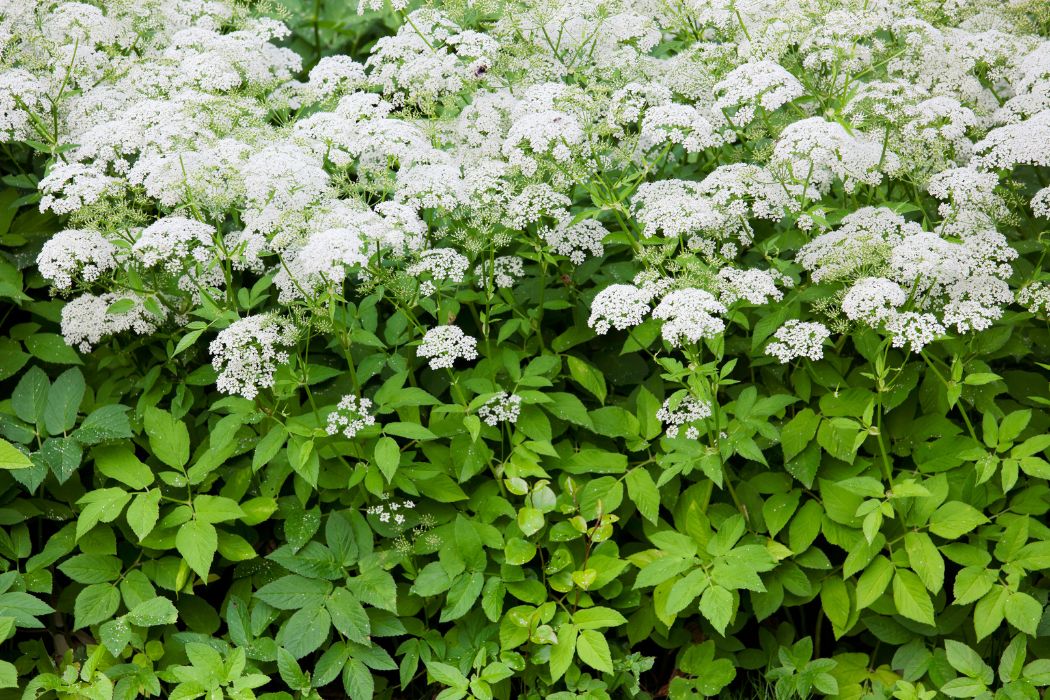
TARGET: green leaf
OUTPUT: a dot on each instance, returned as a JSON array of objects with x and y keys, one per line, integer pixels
[
  {"x": 388, "y": 456},
  {"x": 216, "y": 509},
  {"x": 50, "y": 347},
  {"x": 967, "y": 661},
  {"x": 305, "y": 631},
  {"x": 910, "y": 597},
  {"x": 716, "y": 604},
  {"x": 1038, "y": 672},
  {"x": 989, "y": 612},
  {"x": 1023, "y": 612},
  {"x": 841, "y": 438},
  {"x": 12, "y": 359},
  {"x": 268, "y": 446},
  {"x": 91, "y": 568},
  {"x": 63, "y": 402},
  {"x": 798, "y": 433},
  {"x": 971, "y": 583},
  {"x": 644, "y": 494},
  {"x": 197, "y": 542},
  {"x": 29, "y": 398},
  {"x": 290, "y": 672},
  {"x": 563, "y": 652},
  {"x": 593, "y": 650},
  {"x": 94, "y": 604},
  {"x": 568, "y": 408},
  {"x": 144, "y": 512},
  {"x": 119, "y": 462},
  {"x": 375, "y": 587},
  {"x": 597, "y": 618},
  {"x": 1012, "y": 662},
  {"x": 587, "y": 376},
  {"x": 837, "y": 604},
  {"x": 462, "y": 595},
  {"x": 23, "y": 607},
  {"x": 874, "y": 581},
  {"x": 925, "y": 560},
  {"x": 447, "y": 675},
  {"x": 100, "y": 505},
  {"x": 13, "y": 458},
  {"x": 954, "y": 519},
  {"x": 328, "y": 666},
  {"x": 294, "y": 592},
  {"x": 778, "y": 509},
  {"x": 411, "y": 431},
  {"x": 109, "y": 422},
  {"x": 357, "y": 681},
  {"x": 349, "y": 616},
  {"x": 168, "y": 438},
  {"x": 154, "y": 612},
  {"x": 8, "y": 675}
]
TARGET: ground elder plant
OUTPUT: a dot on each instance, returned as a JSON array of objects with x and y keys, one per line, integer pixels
[{"x": 525, "y": 349}]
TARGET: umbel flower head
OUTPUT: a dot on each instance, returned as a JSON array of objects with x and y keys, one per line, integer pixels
[
  {"x": 350, "y": 416},
  {"x": 443, "y": 345},
  {"x": 247, "y": 353},
  {"x": 798, "y": 339},
  {"x": 689, "y": 315}
]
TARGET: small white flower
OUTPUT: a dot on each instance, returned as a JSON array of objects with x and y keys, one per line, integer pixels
[
  {"x": 798, "y": 339},
  {"x": 689, "y": 315},
  {"x": 440, "y": 264},
  {"x": 247, "y": 353},
  {"x": 443, "y": 345},
  {"x": 619, "y": 306},
  {"x": 75, "y": 253},
  {"x": 754, "y": 286},
  {"x": 350, "y": 416},
  {"x": 506, "y": 270},
  {"x": 916, "y": 330},
  {"x": 872, "y": 299},
  {"x": 686, "y": 411},
  {"x": 501, "y": 408},
  {"x": 576, "y": 241}
]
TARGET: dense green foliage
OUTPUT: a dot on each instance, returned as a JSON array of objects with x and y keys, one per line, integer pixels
[{"x": 872, "y": 524}]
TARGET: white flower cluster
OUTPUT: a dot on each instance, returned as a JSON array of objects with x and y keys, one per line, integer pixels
[
  {"x": 440, "y": 264},
  {"x": 576, "y": 241},
  {"x": 797, "y": 339},
  {"x": 619, "y": 306},
  {"x": 684, "y": 412},
  {"x": 388, "y": 511},
  {"x": 321, "y": 263},
  {"x": 443, "y": 345},
  {"x": 753, "y": 286},
  {"x": 506, "y": 270},
  {"x": 762, "y": 85},
  {"x": 87, "y": 319},
  {"x": 175, "y": 243},
  {"x": 73, "y": 253},
  {"x": 501, "y": 408},
  {"x": 718, "y": 141},
  {"x": 350, "y": 416},
  {"x": 246, "y": 354},
  {"x": 816, "y": 152},
  {"x": 689, "y": 315}
]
